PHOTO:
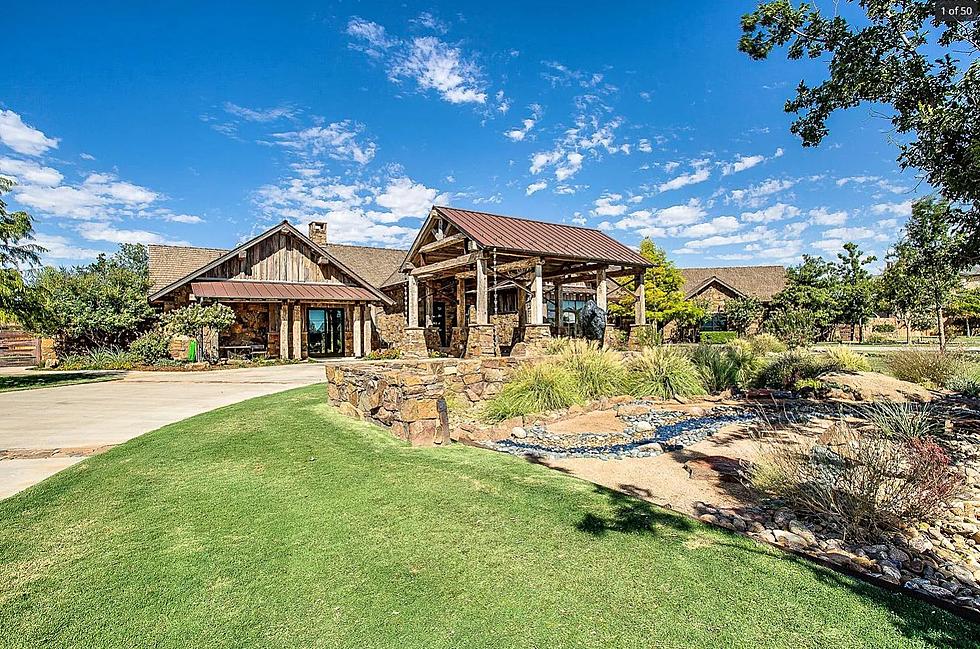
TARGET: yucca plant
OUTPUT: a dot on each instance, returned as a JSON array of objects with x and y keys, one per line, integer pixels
[
  {"x": 766, "y": 343},
  {"x": 534, "y": 388},
  {"x": 663, "y": 372},
  {"x": 715, "y": 368},
  {"x": 902, "y": 421},
  {"x": 929, "y": 368},
  {"x": 598, "y": 372},
  {"x": 785, "y": 369}
]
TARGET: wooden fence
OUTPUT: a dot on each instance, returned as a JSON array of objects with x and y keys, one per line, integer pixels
[{"x": 19, "y": 349}]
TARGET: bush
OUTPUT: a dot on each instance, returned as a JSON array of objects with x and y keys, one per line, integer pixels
[
  {"x": 902, "y": 421},
  {"x": 106, "y": 358},
  {"x": 663, "y": 372},
  {"x": 384, "y": 354},
  {"x": 863, "y": 482},
  {"x": 534, "y": 388},
  {"x": 784, "y": 370},
  {"x": 795, "y": 327},
  {"x": 724, "y": 368},
  {"x": 766, "y": 344},
  {"x": 718, "y": 337},
  {"x": 883, "y": 328},
  {"x": 151, "y": 348},
  {"x": 967, "y": 382},
  {"x": 556, "y": 345},
  {"x": 928, "y": 368},
  {"x": 598, "y": 372},
  {"x": 848, "y": 360}
]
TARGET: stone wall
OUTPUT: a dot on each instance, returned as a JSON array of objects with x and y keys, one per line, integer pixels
[{"x": 411, "y": 397}]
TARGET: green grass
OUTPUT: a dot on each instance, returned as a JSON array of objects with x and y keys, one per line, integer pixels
[
  {"x": 10, "y": 382},
  {"x": 277, "y": 523}
]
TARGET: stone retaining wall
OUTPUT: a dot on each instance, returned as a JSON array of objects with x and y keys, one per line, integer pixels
[{"x": 410, "y": 396}]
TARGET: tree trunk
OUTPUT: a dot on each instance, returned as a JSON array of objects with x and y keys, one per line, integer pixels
[
  {"x": 908, "y": 332},
  {"x": 942, "y": 329},
  {"x": 969, "y": 331}
]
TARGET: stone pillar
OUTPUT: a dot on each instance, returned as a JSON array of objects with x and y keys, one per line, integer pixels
[
  {"x": 481, "y": 341},
  {"x": 537, "y": 297},
  {"x": 536, "y": 337},
  {"x": 600, "y": 289},
  {"x": 460, "y": 302},
  {"x": 610, "y": 337},
  {"x": 640, "y": 314},
  {"x": 414, "y": 345},
  {"x": 358, "y": 329},
  {"x": 368, "y": 333},
  {"x": 284, "y": 330},
  {"x": 297, "y": 331},
  {"x": 412, "y": 302},
  {"x": 482, "y": 310}
]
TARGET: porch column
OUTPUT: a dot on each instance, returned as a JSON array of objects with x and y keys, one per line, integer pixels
[
  {"x": 412, "y": 308},
  {"x": 297, "y": 351},
  {"x": 429, "y": 304},
  {"x": 367, "y": 318},
  {"x": 358, "y": 328},
  {"x": 284, "y": 330},
  {"x": 460, "y": 302},
  {"x": 537, "y": 297},
  {"x": 600, "y": 289},
  {"x": 559, "y": 298},
  {"x": 640, "y": 314},
  {"x": 482, "y": 312}
]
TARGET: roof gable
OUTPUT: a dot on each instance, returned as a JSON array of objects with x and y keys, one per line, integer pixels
[
  {"x": 759, "y": 282},
  {"x": 283, "y": 227}
]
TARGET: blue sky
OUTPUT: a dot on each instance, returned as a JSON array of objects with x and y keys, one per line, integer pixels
[{"x": 177, "y": 123}]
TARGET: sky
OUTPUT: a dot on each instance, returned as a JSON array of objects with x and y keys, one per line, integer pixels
[{"x": 204, "y": 125}]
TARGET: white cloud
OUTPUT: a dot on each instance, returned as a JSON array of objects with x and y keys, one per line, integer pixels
[
  {"x": 60, "y": 248},
  {"x": 699, "y": 175},
  {"x": 23, "y": 138},
  {"x": 402, "y": 198},
  {"x": 518, "y": 134},
  {"x": 719, "y": 225},
  {"x": 860, "y": 180},
  {"x": 259, "y": 114},
  {"x": 338, "y": 140},
  {"x": 755, "y": 195},
  {"x": 609, "y": 205},
  {"x": 668, "y": 221},
  {"x": 903, "y": 208},
  {"x": 438, "y": 66},
  {"x": 101, "y": 231},
  {"x": 823, "y": 216},
  {"x": 756, "y": 234},
  {"x": 776, "y": 212},
  {"x": 64, "y": 200},
  {"x": 851, "y": 234},
  {"x": 182, "y": 218},
  {"x": 535, "y": 187},
  {"x": 371, "y": 38},
  {"x": 569, "y": 166},
  {"x": 28, "y": 172},
  {"x": 742, "y": 163},
  {"x": 592, "y": 134},
  {"x": 578, "y": 219},
  {"x": 644, "y": 146}
]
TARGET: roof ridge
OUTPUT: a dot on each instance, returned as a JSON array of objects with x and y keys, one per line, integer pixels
[
  {"x": 521, "y": 218},
  {"x": 170, "y": 245},
  {"x": 357, "y": 245}
]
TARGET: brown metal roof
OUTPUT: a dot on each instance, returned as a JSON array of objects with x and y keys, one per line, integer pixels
[
  {"x": 255, "y": 290},
  {"x": 538, "y": 237}
]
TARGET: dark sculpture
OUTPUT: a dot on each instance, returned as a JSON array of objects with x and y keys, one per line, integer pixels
[{"x": 593, "y": 321}]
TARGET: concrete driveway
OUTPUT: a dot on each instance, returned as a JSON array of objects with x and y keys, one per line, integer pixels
[{"x": 47, "y": 429}]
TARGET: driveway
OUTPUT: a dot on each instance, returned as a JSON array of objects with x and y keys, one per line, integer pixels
[{"x": 48, "y": 429}]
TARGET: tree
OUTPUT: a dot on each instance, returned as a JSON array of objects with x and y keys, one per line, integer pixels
[
  {"x": 894, "y": 55},
  {"x": 809, "y": 298},
  {"x": 854, "y": 292},
  {"x": 664, "y": 294},
  {"x": 16, "y": 248},
  {"x": 966, "y": 305},
  {"x": 928, "y": 253},
  {"x": 904, "y": 297},
  {"x": 102, "y": 304},
  {"x": 742, "y": 312},
  {"x": 202, "y": 322}
]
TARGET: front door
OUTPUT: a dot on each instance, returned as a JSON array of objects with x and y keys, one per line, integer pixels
[
  {"x": 439, "y": 320},
  {"x": 325, "y": 329}
]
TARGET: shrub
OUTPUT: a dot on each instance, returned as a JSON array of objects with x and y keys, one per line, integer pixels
[
  {"x": 648, "y": 336},
  {"x": 766, "y": 344},
  {"x": 883, "y": 328},
  {"x": 928, "y": 368},
  {"x": 724, "y": 368},
  {"x": 795, "y": 327},
  {"x": 814, "y": 387},
  {"x": 598, "y": 372},
  {"x": 902, "y": 421},
  {"x": 150, "y": 348},
  {"x": 663, "y": 372},
  {"x": 105, "y": 358},
  {"x": 848, "y": 360},
  {"x": 967, "y": 382},
  {"x": 534, "y": 388},
  {"x": 556, "y": 345},
  {"x": 863, "y": 482},
  {"x": 384, "y": 354},
  {"x": 717, "y": 337},
  {"x": 785, "y": 369}
]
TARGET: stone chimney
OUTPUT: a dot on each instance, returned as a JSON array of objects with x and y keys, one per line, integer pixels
[{"x": 318, "y": 232}]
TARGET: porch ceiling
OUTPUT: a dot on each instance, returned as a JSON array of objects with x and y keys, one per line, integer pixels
[{"x": 273, "y": 291}]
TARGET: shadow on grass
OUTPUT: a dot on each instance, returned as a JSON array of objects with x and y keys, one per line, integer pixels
[
  {"x": 630, "y": 514},
  {"x": 44, "y": 380}
]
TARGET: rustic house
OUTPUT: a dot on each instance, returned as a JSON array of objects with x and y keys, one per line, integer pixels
[
  {"x": 294, "y": 296},
  {"x": 715, "y": 286}
]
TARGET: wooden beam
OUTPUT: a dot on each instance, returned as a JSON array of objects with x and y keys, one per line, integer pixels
[
  {"x": 412, "y": 302},
  {"x": 297, "y": 331},
  {"x": 510, "y": 266},
  {"x": 284, "y": 330},
  {"x": 537, "y": 297},
  {"x": 460, "y": 302},
  {"x": 431, "y": 269},
  {"x": 368, "y": 319},
  {"x": 429, "y": 304},
  {"x": 600, "y": 289},
  {"x": 445, "y": 242},
  {"x": 640, "y": 314},
  {"x": 482, "y": 312},
  {"x": 358, "y": 329}
]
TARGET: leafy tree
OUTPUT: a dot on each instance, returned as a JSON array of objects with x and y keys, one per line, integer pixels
[
  {"x": 855, "y": 291},
  {"x": 894, "y": 55},
  {"x": 16, "y": 235},
  {"x": 929, "y": 253},
  {"x": 904, "y": 297},
  {"x": 198, "y": 321},
  {"x": 741, "y": 313},
  {"x": 102, "y": 304},
  {"x": 810, "y": 297},
  {"x": 663, "y": 284},
  {"x": 966, "y": 305}
]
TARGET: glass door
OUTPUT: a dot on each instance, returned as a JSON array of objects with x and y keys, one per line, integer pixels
[
  {"x": 316, "y": 326},
  {"x": 334, "y": 339}
]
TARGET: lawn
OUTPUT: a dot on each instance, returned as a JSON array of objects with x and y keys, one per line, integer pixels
[
  {"x": 275, "y": 522},
  {"x": 33, "y": 380}
]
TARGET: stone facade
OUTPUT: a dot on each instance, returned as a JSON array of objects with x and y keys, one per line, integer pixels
[
  {"x": 536, "y": 337},
  {"x": 410, "y": 397},
  {"x": 414, "y": 343},
  {"x": 481, "y": 341}
]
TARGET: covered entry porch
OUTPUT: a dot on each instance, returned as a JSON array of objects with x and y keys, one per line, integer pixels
[{"x": 291, "y": 320}]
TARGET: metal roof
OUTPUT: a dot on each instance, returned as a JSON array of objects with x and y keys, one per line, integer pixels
[
  {"x": 256, "y": 290},
  {"x": 539, "y": 237}
]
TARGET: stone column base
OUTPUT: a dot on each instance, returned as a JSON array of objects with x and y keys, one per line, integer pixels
[
  {"x": 413, "y": 343},
  {"x": 535, "y": 340},
  {"x": 480, "y": 341},
  {"x": 611, "y": 337},
  {"x": 642, "y": 336}
]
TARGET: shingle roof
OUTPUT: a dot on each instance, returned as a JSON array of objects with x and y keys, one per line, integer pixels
[
  {"x": 759, "y": 282},
  {"x": 376, "y": 265},
  {"x": 170, "y": 263},
  {"x": 539, "y": 237}
]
